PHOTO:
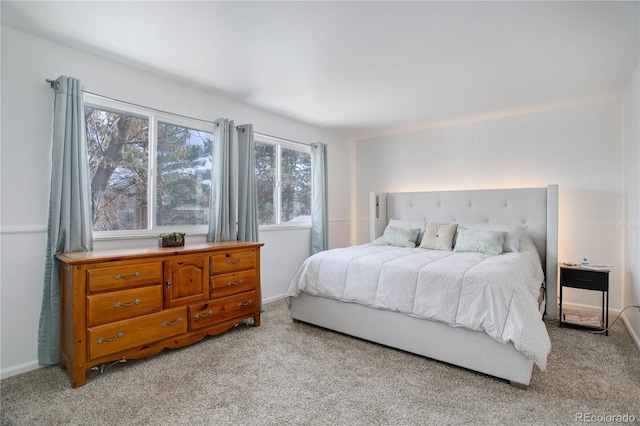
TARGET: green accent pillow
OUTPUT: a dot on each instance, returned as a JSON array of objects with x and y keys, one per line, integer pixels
[
  {"x": 476, "y": 240},
  {"x": 400, "y": 237}
]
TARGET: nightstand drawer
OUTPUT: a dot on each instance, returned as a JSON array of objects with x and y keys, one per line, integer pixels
[{"x": 585, "y": 279}]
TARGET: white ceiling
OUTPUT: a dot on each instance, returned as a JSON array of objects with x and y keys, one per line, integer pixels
[{"x": 361, "y": 68}]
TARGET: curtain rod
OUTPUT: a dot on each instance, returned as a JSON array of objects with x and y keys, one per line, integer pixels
[
  {"x": 284, "y": 139},
  {"x": 55, "y": 84}
]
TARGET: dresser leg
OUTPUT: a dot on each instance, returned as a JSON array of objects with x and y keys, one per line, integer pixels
[{"x": 78, "y": 378}]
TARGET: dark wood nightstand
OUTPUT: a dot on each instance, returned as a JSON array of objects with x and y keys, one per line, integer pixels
[{"x": 586, "y": 278}]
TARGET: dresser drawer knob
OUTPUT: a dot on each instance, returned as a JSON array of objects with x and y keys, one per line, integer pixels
[
  {"x": 117, "y": 336},
  {"x": 127, "y": 277},
  {"x": 199, "y": 315},
  {"x": 230, "y": 283},
  {"x": 178, "y": 321},
  {"x": 234, "y": 262},
  {"x": 584, "y": 279},
  {"x": 245, "y": 304},
  {"x": 126, "y": 305}
]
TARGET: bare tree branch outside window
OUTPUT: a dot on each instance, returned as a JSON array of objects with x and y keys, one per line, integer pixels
[{"x": 119, "y": 161}]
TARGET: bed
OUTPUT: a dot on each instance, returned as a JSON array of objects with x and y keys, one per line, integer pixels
[{"x": 486, "y": 319}]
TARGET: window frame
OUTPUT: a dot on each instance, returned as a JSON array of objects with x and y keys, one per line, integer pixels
[
  {"x": 280, "y": 143},
  {"x": 154, "y": 116}
]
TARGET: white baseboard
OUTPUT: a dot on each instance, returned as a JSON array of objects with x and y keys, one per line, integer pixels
[
  {"x": 633, "y": 334},
  {"x": 593, "y": 308},
  {"x": 273, "y": 299},
  {"x": 581, "y": 307},
  {"x": 19, "y": 369}
]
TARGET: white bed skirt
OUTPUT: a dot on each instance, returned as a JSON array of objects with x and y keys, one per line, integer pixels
[{"x": 474, "y": 350}]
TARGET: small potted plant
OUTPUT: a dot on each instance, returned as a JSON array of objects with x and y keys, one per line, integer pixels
[{"x": 171, "y": 239}]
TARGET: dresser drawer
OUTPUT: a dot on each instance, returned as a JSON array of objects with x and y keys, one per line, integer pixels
[
  {"x": 219, "y": 310},
  {"x": 228, "y": 284},
  {"x": 124, "y": 276},
  {"x": 588, "y": 280},
  {"x": 118, "y": 305},
  {"x": 232, "y": 261},
  {"x": 126, "y": 334}
]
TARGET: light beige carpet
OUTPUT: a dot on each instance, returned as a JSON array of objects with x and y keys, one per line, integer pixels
[{"x": 290, "y": 373}]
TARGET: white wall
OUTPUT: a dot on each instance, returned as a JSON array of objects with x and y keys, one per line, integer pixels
[
  {"x": 631, "y": 139},
  {"x": 26, "y": 134},
  {"x": 578, "y": 147}
]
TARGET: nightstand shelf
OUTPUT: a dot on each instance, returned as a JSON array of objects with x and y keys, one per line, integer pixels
[{"x": 576, "y": 276}]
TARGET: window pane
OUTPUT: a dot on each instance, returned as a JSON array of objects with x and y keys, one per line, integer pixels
[
  {"x": 296, "y": 186},
  {"x": 184, "y": 175},
  {"x": 266, "y": 183},
  {"x": 118, "y": 158}
]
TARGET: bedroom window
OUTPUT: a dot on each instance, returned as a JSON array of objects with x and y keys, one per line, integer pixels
[
  {"x": 149, "y": 171},
  {"x": 283, "y": 174}
]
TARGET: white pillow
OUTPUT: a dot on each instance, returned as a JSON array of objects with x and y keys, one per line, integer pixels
[
  {"x": 480, "y": 241},
  {"x": 439, "y": 236},
  {"x": 409, "y": 224},
  {"x": 527, "y": 244},
  {"x": 511, "y": 241}
]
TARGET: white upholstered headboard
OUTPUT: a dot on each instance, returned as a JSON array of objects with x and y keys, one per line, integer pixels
[{"x": 537, "y": 208}]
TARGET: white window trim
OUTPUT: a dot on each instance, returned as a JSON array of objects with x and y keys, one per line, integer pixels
[
  {"x": 280, "y": 143},
  {"x": 100, "y": 102}
]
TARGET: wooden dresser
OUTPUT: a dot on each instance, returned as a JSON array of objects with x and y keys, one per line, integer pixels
[{"x": 132, "y": 303}]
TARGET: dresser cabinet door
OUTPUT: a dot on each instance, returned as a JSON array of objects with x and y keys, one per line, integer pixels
[{"x": 186, "y": 280}]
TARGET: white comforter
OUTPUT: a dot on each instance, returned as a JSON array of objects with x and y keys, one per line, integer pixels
[{"x": 496, "y": 294}]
